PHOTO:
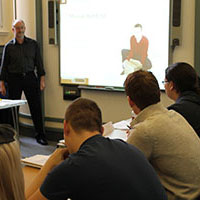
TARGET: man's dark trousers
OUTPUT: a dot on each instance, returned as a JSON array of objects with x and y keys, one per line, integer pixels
[{"x": 29, "y": 83}]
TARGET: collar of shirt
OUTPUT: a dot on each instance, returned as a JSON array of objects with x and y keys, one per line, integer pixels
[
  {"x": 147, "y": 112},
  {"x": 15, "y": 41},
  {"x": 90, "y": 139}
]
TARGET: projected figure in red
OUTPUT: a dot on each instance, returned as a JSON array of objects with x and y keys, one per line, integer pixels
[{"x": 136, "y": 58}]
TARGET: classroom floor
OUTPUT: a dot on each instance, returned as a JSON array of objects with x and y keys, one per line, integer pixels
[{"x": 30, "y": 147}]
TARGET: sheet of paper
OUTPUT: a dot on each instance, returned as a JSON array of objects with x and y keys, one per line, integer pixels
[
  {"x": 35, "y": 161},
  {"x": 62, "y": 141},
  {"x": 7, "y": 103},
  {"x": 118, "y": 134},
  {"x": 108, "y": 128},
  {"x": 122, "y": 125}
]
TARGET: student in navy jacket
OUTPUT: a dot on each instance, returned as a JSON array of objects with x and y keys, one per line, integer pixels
[{"x": 182, "y": 85}]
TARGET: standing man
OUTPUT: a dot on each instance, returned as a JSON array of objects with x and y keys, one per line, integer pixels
[{"x": 23, "y": 70}]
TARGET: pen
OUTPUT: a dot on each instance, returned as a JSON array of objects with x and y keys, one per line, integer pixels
[{"x": 129, "y": 127}]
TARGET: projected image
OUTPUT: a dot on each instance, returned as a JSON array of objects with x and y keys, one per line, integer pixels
[
  {"x": 136, "y": 58},
  {"x": 101, "y": 41}
]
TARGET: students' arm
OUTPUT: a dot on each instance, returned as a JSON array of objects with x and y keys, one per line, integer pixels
[
  {"x": 42, "y": 83},
  {"x": 37, "y": 195},
  {"x": 33, "y": 191},
  {"x": 5, "y": 60},
  {"x": 2, "y": 88},
  {"x": 3, "y": 70},
  {"x": 38, "y": 61},
  {"x": 139, "y": 138}
]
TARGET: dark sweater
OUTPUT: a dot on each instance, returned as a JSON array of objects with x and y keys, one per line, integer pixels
[{"x": 188, "y": 105}]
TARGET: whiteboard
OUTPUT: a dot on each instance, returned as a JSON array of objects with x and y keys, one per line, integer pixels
[{"x": 93, "y": 34}]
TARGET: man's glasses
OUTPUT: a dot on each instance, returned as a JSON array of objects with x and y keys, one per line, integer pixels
[{"x": 163, "y": 82}]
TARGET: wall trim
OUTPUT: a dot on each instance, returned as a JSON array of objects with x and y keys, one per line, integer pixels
[
  {"x": 52, "y": 134},
  {"x": 48, "y": 129},
  {"x": 196, "y": 37},
  {"x": 53, "y": 119},
  {"x": 48, "y": 119}
]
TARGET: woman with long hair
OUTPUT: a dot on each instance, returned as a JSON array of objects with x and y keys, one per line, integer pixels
[{"x": 11, "y": 175}]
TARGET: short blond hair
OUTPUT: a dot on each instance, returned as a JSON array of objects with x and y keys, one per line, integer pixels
[{"x": 12, "y": 179}]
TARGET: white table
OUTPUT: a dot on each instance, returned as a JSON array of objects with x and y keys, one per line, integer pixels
[
  {"x": 13, "y": 104},
  {"x": 29, "y": 174}
]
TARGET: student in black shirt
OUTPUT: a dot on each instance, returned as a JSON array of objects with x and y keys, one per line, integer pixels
[
  {"x": 97, "y": 168},
  {"x": 182, "y": 86}
]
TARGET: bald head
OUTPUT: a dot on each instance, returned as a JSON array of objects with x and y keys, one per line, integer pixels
[
  {"x": 16, "y": 21},
  {"x": 18, "y": 28}
]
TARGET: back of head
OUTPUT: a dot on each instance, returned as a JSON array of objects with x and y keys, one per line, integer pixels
[
  {"x": 12, "y": 180},
  {"x": 183, "y": 76},
  {"x": 142, "y": 88},
  {"x": 84, "y": 114}
]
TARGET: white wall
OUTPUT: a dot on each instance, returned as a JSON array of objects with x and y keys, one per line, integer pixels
[
  {"x": 7, "y": 18},
  {"x": 186, "y": 51},
  {"x": 26, "y": 10},
  {"x": 114, "y": 105}
]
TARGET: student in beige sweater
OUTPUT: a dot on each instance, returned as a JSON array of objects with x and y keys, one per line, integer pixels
[{"x": 165, "y": 137}]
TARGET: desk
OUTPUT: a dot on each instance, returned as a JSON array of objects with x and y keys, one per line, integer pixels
[
  {"x": 7, "y": 103},
  {"x": 29, "y": 174},
  {"x": 115, "y": 134}
]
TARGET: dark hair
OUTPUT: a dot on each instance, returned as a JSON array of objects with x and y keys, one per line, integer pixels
[
  {"x": 7, "y": 134},
  {"x": 84, "y": 114},
  {"x": 142, "y": 87},
  {"x": 138, "y": 26},
  {"x": 183, "y": 76}
]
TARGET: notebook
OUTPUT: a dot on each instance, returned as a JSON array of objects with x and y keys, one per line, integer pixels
[{"x": 35, "y": 161}]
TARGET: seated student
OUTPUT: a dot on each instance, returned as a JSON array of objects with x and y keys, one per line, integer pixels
[
  {"x": 165, "y": 137},
  {"x": 11, "y": 175},
  {"x": 181, "y": 85},
  {"x": 97, "y": 168}
]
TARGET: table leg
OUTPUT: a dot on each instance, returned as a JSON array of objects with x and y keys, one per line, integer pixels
[{"x": 15, "y": 120}]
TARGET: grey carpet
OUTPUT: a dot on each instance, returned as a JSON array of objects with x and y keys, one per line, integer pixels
[{"x": 30, "y": 147}]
